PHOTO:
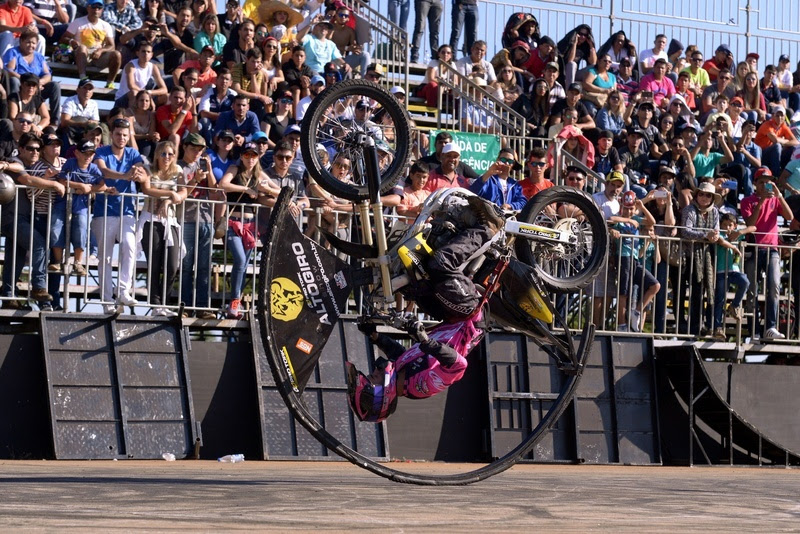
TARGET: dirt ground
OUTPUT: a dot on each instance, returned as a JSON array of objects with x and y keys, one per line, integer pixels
[{"x": 336, "y": 497}]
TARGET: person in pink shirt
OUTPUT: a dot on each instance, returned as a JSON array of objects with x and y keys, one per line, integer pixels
[
  {"x": 446, "y": 174},
  {"x": 414, "y": 193},
  {"x": 761, "y": 210},
  {"x": 658, "y": 82}
]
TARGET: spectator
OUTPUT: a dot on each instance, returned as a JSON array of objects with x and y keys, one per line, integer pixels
[
  {"x": 705, "y": 161},
  {"x": 398, "y": 13},
  {"x": 783, "y": 78},
  {"x": 576, "y": 48},
  {"x": 206, "y": 76},
  {"x": 430, "y": 10},
  {"x": 320, "y": 50},
  {"x": 752, "y": 61},
  {"x": 200, "y": 8},
  {"x": 175, "y": 118},
  {"x": 78, "y": 109},
  {"x": 24, "y": 59},
  {"x": 51, "y": 16},
  {"x": 517, "y": 58},
  {"x": 771, "y": 93},
  {"x": 243, "y": 183},
  {"x": 83, "y": 177},
  {"x": 198, "y": 225},
  {"x": 632, "y": 215},
  {"x": 29, "y": 101},
  {"x": 612, "y": 115},
  {"x": 576, "y": 145},
  {"x": 521, "y": 27},
  {"x": 606, "y": 158},
  {"x": 232, "y": 17},
  {"x": 742, "y": 68},
  {"x": 573, "y": 100},
  {"x": 557, "y": 91},
  {"x": 507, "y": 83},
  {"x": 93, "y": 41},
  {"x": 344, "y": 37},
  {"x": 636, "y": 161},
  {"x": 446, "y": 174},
  {"x": 297, "y": 74},
  {"x": 542, "y": 58},
  {"x": 659, "y": 84},
  {"x": 647, "y": 59},
  {"x": 210, "y": 35},
  {"x": 279, "y": 120},
  {"x": 535, "y": 108},
  {"x": 272, "y": 63},
  {"x": 149, "y": 32},
  {"x": 618, "y": 47},
  {"x": 536, "y": 165},
  {"x": 154, "y": 10},
  {"x": 282, "y": 173},
  {"x": 141, "y": 74},
  {"x": 599, "y": 83},
  {"x": 15, "y": 19},
  {"x": 496, "y": 184},
  {"x": 761, "y": 210},
  {"x": 794, "y": 92},
  {"x": 477, "y": 57},
  {"x": 747, "y": 154},
  {"x": 122, "y": 16},
  {"x": 683, "y": 90},
  {"x": 316, "y": 87},
  {"x": 773, "y": 136},
  {"x": 217, "y": 98},
  {"x": 464, "y": 11},
  {"x": 114, "y": 217},
  {"x": 627, "y": 84},
  {"x": 653, "y": 141},
  {"x": 182, "y": 41},
  {"x": 729, "y": 273},
  {"x": 250, "y": 80},
  {"x": 235, "y": 50},
  {"x": 435, "y": 160},
  {"x": 414, "y": 193},
  {"x": 698, "y": 76},
  {"x": 722, "y": 61},
  {"x": 755, "y": 107},
  {"x": 722, "y": 86},
  {"x": 143, "y": 120},
  {"x": 240, "y": 120},
  {"x": 700, "y": 229},
  {"x": 604, "y": 285},
  {"x": 663, "y": 207}
]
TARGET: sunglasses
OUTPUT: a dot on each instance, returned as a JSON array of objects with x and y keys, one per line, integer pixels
[
  {"x": 272, "y": 46},
  {"x": 697, "y": 59},
  {"x": 345, "y": 166},
  {"x": 24, "y": 121},
  {"x": 583, "y": 34},
  {"x": 250, "y": 155},
  {"x": 701, "y": 194},
  {"x": 91, "y": 151},
  {"x": 227, "y": 139},
  {"x": 96, "y": 7},
  {"x": 507, "y": 161},
  {"x": 285, "y": 101},
  {"x": 33, "y": 148},
  {"x": 679, "y": 145},
  {"x": 735, "y": 105},
  {"x": 536, "y": 163},
  {"x": 373, "y": 76},
  {"x": 168, "y": 154},
  {"x": 263, "y": 142},
  {"x": 283, "y": 157},
  {"x": 575, "y": 179},
  {"x": 343, "y": 15}
]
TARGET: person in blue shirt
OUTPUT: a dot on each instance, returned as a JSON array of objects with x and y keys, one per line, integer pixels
[
  {"x": 496, "y": 184},
  {"x": 83, "y": 177},
  {"x": 24, "y": 59},
  {"x": 240, "y": 120},
  {"x": 114, "y": 216}
]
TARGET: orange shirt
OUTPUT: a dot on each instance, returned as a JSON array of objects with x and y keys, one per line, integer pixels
[
  {"x": 529, "y": 188},
  {"x": 768, "y": 127},
  {"x": 22, "y": 17}
]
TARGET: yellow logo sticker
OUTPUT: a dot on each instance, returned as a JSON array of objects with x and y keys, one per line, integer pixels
[{"x": 286, "y": 299}]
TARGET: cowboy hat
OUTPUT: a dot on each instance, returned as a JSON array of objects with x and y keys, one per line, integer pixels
[
  {"x": 707, "y": 187},
  {"x": 267, "y": 9}
]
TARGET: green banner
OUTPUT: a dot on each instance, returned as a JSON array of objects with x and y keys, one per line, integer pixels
[{"x": 477, "y": 150}]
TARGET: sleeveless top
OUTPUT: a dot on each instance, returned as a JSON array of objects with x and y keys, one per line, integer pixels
[
  {"x": 141, "y": 75},
  {"x": 169, "y": 183},
  {"x": 238, "y": 197}
]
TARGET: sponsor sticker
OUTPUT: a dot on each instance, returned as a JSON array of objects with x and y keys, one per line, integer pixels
[
  {"x": 341, "y": 281},
  {"x": 287, "y": 364},
  {"x": 304, "y": 345},
  {"x": 286, "y": 299}
]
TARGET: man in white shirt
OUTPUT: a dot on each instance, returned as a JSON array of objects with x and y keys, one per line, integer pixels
[
  {"x": 316, "y": 87},
  {"x": 79, "y": 109},
  {"x": 477, "y": 56},
  {"x": 647, "y": 59},
  {"x": 92, "y": 38}
]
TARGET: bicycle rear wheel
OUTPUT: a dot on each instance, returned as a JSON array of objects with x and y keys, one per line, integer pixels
[{"x": 336, "y": 119}]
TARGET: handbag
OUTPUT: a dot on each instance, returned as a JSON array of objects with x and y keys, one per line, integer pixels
[
  {"x": 670, "y": 252},
  {"x": 598, "y": 99}
]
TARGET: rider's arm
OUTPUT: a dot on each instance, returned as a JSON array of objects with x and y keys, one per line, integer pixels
[{"x": 389, "y": 346}]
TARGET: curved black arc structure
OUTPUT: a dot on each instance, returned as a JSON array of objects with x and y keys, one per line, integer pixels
[{"x": 293, "y": 399}]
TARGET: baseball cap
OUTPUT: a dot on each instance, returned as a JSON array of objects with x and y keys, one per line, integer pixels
[
  {"x": 575, "y": 87},
  {"x": 776, "y": 109},
  {"x": 84, "y": 82},
  {"x": 737, "y": 99},
  {"x": 250, "y": 147},
  {"x": 762, "y": 171},
  {"x": 194, "y": 139},
  {"x": 50, "y": 139},
  {"x": 86, "y": 146},
  {"x": 92, "y": 126},
  {"x": 258, "y": 136},
  {"x": 94, "y": 2},
  {"x": 625, "y": 61},
  {"x": 783, "y": 57},
  {"x": 628, "y": 199},
  {"x": 615, "y": 176},
  {"x": 362, "y": 104},
  {"x": 633, "y": 130},
  {"x": 606, "y": 134},
  {"x": 29, "y": 78},
  {"x": 546, "y": 40},
  {"x": 724, "y": 48},
  {"x": 645, "y": 105},
  {"x": 521, "y": 44},
  {"x": 326, "y": 23},
  {"x": 451, "y": 147},
  {"x": 397, "y": 89},
  {"x": 377, "y": 68},
  {"x": 293, "y": 129},
  {"x": 552, "y": 65},
  {"x": 226, "y": 134},
  {"x": 753, "y": 54},
  {"x": 666, "y": 169},
  {"x": 208, "y": 48},
  {"x": 317, "y": 79}
]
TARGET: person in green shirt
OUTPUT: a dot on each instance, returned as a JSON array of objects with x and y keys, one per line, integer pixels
[
  {"x": 729, "y": 272},
  {"x": 704, "y": 160}
]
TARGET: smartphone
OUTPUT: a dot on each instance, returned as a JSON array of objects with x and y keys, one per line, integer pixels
[
  {"x": 730, "y": 184},
  {"x": 768, "y": 187},
  {"x": 647, "y": 96},
  {"x": 660, "y": 193}
]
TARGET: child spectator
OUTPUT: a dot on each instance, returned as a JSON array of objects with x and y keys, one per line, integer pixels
[
  {"x": 729, "y": 272},
  {"x": 83, "y": 177},
  {"x": 414, "y": 193}
]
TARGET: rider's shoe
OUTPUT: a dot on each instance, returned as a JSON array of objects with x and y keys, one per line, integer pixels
[{"x": 486, "y": 212}]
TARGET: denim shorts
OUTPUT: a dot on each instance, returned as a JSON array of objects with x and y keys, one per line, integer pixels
[{"x": 78, "y": 232}]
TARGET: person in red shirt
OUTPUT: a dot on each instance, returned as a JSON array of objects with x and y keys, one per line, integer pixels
[
  {"x": 723, "y": 59},
  {"x": 541, "y": 56},
  {"x": 682, "y": 89},
  {"x": 773, "y": 136},
  {"x": 175, "y": 118},
  {"x": 206, "y": 75},
  {"x": 446, "y": 175},
  {"x": 536, "y": 162},
  {"x": 14, "y": 19}
]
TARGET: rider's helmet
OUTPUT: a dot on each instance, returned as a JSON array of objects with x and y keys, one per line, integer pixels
[{"x": 368, "y": 401}]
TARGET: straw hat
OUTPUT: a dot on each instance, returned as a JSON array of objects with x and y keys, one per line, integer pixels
[
  {"x": 708, "y": 187},
  {"x": 268, "y": 8}
]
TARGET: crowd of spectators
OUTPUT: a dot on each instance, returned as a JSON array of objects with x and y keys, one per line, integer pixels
[{"x": 208, "y": 107}]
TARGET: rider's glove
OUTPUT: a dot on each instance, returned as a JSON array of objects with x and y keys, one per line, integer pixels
[{"x": 417, "y": 330}]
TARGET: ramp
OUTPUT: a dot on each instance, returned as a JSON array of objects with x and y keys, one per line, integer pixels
[
  {"x": 717, "y": 433},
  {"x": 117, "y": 387}
]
